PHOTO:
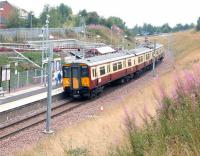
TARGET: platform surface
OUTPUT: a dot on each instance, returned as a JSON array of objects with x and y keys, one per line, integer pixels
[{"x": 26, "y": 96}]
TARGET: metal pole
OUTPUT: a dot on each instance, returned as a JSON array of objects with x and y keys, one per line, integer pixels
[
  {"x": 42, "y": 71},
  {"x": 123, "y": 42},
  {"x": 17, "y": 79},
  {"x": 154, "y": 61},
  {"x": 49, "y": 89},
  {"x": 111, "y": 36},
  {"x": 31, "y": 13},
  {"x": 31, "y": 22},
  {"x": 0, "y": 18},
  {"x": 27, "y": 78},
  {"x": 84, "y": 37}
]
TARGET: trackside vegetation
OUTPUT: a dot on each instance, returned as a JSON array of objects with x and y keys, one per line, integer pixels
[
  {"x": 176, "y": 128},
  {"x": 23, "y": 64}
]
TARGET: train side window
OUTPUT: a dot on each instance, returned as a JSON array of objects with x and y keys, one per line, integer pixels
[
  {"x": 147, "y": 56},
  {"x": 114, "y": 66},
  {"x": 108, "y": 68},
  {"x": 94, "y": 73},
  {"x": 139, "y": 59},
  {"x": 124, "y": 64},
  {"x": 102, "y": 70},
  {"x": 129, "y": 63},
  {"x": 119, "y": 65}
]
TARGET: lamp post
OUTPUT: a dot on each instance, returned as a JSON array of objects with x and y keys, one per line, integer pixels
[
  {"x": 1, "y": 9},
  {"x": 124, "y": 37},
  {"x": 98, "y": 36},
  {"x": 84, "y": 31},
  {"x": 43, "y": 71},
  {"x": 31, "y": 14},
  {"x": 49, "y": 89},
  {"x": 111, "y": 36}
]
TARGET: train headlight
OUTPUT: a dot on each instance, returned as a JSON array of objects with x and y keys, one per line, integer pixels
[{"x": 85, "y": 82}]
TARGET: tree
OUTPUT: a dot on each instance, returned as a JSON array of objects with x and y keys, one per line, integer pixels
[
  {"x": 166, "y": 28},
  {"x": 65, "y": 11},
  {"x": 198, "y": 24},
  {"x": 14, "y": 20},
  {"x": 83, "y": 13},
  {"x": 58, "y": 15},
  {"x": 92, "y": 18},
  {"x": 44, "y": 14},
  {"x": 115, "y": 21}
]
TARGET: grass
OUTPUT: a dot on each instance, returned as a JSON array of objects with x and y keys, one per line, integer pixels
[
  {"x": 102, "y": 134},
  {"x": 23, "y": 65},
  {"x": 175, "y": 130},
  {"x": 4, "y": 59},
  {"x": 105, "y": 37}
]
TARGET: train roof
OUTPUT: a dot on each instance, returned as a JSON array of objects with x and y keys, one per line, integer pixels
[{"x": 96, "y": 60}]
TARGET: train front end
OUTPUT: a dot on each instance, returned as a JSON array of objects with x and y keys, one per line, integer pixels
[{"x": 76, "y": 81}]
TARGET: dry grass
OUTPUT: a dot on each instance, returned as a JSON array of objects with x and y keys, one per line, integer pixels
[{"x": 96, "y": 135}]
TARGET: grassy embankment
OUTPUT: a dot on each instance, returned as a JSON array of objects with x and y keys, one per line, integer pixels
[
  {"x": 23, "y": 64},
  {"x": 176, "y": 128},
  {"x": 100, "y": 135}
]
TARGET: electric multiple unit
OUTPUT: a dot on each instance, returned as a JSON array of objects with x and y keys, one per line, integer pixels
[{"x": 87, "y": 77}]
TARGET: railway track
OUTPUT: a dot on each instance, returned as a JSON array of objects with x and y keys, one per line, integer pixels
[
  {"x": 15, "y": 127},
  {"x": 63, "y": 106}
]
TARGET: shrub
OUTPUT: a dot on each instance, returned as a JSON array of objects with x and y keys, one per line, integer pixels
[{"x": 176, "y": 130}]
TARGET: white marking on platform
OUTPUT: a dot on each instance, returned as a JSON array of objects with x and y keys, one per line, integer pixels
[{"x": 24, "y": 101}]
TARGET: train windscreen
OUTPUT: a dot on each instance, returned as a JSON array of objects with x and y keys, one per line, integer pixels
[
  {"x": 84, "y": 71},
  {"x": 75, "y": 72},
  {"x": 66, "y": 72}
]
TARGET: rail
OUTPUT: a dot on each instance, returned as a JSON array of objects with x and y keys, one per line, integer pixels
[{"x": 15, "y": 126}]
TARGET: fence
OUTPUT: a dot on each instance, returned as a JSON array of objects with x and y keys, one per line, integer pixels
[
  {"x": 19, "y": 34},
  {"x": 23, "y": 79}
]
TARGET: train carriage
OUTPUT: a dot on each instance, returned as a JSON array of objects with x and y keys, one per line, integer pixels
[{"x": 87, "y": 77}]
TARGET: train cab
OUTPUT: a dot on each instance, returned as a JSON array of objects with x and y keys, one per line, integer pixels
[{"x": 76, "y": 81}]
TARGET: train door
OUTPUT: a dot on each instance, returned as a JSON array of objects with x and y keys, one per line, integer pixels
[{"x": 75, "y": 77}]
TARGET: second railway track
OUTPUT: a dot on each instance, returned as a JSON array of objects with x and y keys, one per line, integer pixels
[{"x": 14, "y": 127}]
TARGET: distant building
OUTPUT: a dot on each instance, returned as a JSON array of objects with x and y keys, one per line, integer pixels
[{"x": 6, "y": 9}]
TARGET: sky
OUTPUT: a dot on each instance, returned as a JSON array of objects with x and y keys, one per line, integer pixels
[{"x": 156, "y": 12}]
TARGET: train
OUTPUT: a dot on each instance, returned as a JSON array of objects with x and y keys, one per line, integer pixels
[{"x": 87, "y": 77}]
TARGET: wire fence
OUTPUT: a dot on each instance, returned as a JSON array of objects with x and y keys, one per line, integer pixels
[{"x": 23, "y": 79}]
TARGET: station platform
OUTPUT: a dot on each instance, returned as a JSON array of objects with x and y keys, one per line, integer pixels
[{"x": 29, "y": 95}]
